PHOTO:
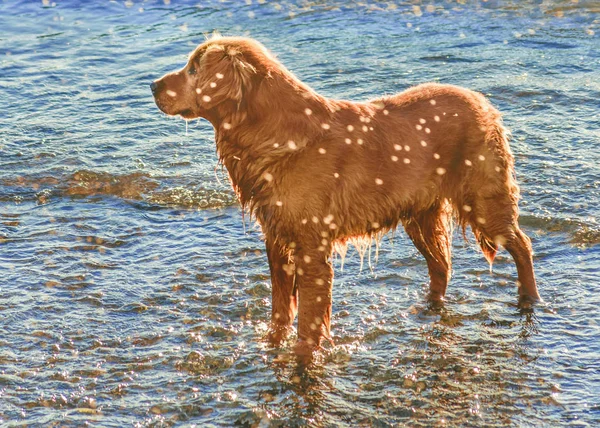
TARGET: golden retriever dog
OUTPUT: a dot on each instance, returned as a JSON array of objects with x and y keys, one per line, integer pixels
[{"x": 316, "y": 172}]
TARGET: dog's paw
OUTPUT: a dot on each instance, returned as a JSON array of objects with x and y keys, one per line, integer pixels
[
  {"x": 277, "y": 334},
  {"x": 529, "y": 301},
  {"x": 305, "y": 351}
]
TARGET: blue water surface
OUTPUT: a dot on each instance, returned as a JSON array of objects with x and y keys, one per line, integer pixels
[{"x": 134, "y": 292}]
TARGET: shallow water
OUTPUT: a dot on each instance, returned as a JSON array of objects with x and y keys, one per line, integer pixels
[{"x": 131, "y": 292}]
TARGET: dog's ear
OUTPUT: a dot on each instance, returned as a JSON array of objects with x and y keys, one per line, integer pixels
[{"x": 227, "y": 76}]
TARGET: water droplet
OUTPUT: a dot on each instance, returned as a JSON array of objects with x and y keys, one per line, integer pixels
[
  {"x": 292, "y": 145},
  {"x": 219, "y": 76},
  {"x": 436, "y": 155},
  {"x": 227, "y": 125},
  {"x": 424, "y": 143},
  {"x": 395, "y": 158},
  {"x": 315, "y": 219},
  {"x": 322, "y": 151},
  {"x": 206, "y": 98},
  {"x": 481, "y": 158},
  {"x": 419, "y": 127},
  {"x": 422, "y": 120},
  {"x": 440, "y": 171},
  {"x": 350, "y": 128},
  {"x": 359, "y": 141},
  {"x": 319, "y": 281},
  {"x": 432, "y": 102},
  {"x": 378, "y": 181},
  {"x": 307, "y": 111},
  {"x": 171, "y": 93},
  {"x": 407, "y": 148},
  {"x": 397, "y": 147},
  {"x": 325, "y": 126},
  {"x": 198, "y": 91},
  {"x": 436, "y": 118},
  {"x": 467, "y": 208},
  {"x": 319, "y": 299},
  {"x": 267, "y": 176},
  {"x": 336, "y": 175},
  {"x": 497, "y": 169},
  {"x": 365, "y": 128},
  {"x": 499, "y": 240},
  {"x": 348, "y": 141},
  {"x": 213, "y": 84},
  {"x": 480, "y": 220},
  {"x": 406, "y": 160},
  {"x": 427, "y": 130},
  {"x": 307, "y": 259},
  {"x": 385, "y": 112},
  {"x": 468, "y": 162},
  {"x": 279, "y": 203},
  {"x": 328, "y": 219},
  {"x": 304, "y": 221},
  {"x": 276, "y": 145}
]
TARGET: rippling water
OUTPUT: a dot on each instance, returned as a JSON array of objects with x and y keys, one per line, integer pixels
[{"x": 132, "y": 293}]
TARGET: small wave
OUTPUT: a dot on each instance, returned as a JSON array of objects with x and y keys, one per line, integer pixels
[
  {"x": 447, "y": 58},
  {"x": 582, "y": 234},
  {"x": 192, "y": 198},
  {"x": 136, "y": 186},
  {"x": 128, "y": 186}
]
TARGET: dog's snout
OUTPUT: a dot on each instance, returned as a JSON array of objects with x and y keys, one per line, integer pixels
[{"x": 153, "y": 87}]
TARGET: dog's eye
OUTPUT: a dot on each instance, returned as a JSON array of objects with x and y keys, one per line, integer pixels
[{"x": 192, "y": 70}]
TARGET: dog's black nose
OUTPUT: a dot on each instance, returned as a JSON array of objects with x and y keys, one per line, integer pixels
[{"x": 153, "y": 87}]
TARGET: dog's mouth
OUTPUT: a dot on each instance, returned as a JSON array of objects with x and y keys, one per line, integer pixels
[{"x": 187, "y": 114}]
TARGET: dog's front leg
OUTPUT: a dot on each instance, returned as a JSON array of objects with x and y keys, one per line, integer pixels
[
  {"x": 314, "y": 279},
  {"x": 283, "y": 292}
]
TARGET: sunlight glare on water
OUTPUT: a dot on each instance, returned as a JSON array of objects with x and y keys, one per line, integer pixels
[{"x": 132, "y": 294}]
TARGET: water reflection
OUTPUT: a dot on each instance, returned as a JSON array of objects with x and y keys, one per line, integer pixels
[{"x": 441, "y": 376}]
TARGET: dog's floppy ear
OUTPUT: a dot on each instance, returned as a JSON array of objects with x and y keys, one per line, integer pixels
[{"x": 227, "y": 75}]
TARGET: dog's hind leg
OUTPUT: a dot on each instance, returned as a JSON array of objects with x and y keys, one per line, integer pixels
[
  {"x": 431, "y": 232},
  {"x": 497, "y": 219},
  {"x": 283, "y": 291}
]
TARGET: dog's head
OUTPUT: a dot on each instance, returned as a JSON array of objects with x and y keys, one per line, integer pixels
[{"x": 220, "y": 72}]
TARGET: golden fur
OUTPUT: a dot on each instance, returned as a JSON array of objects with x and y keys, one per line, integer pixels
[{"x": 316, "y": 171}]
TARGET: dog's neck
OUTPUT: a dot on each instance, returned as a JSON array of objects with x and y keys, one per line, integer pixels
[{"x": 252, "y": 144}]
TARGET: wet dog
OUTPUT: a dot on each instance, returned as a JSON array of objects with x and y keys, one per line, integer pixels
[{"x": 316, "y": 172}]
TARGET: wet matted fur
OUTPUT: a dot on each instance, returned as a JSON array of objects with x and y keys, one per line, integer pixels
[{"x": 316, "y": 172}]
